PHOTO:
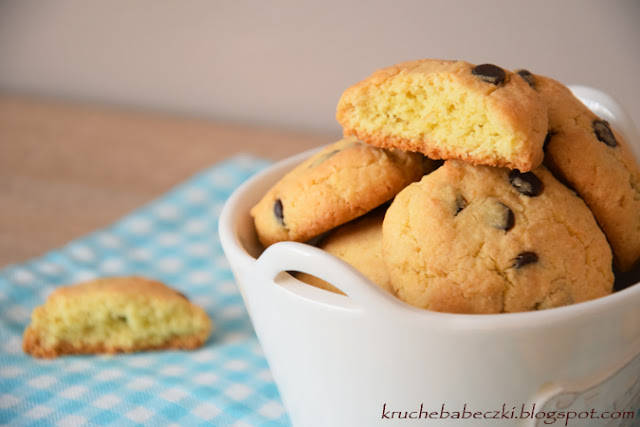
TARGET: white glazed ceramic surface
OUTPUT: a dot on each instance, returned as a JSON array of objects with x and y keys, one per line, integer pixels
[{"x": 368, "y": 359}]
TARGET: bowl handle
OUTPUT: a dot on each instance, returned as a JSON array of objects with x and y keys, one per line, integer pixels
[{"x": 293, "y": 256}]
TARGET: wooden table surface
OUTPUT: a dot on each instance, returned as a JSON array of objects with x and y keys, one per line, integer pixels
[{"x": 67, "y": 169}]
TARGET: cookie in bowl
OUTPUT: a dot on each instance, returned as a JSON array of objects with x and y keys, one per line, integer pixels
[
  {"x": 480, "y": 114},
  {"x": 479, "y": 239},
  {"x": 591, "y": 157},
  {"x": 341, "y": 182},
  {"x": 358, "y": 243}
]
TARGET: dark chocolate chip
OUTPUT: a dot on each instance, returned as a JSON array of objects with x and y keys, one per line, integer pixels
[
  {"x": 490, "y": 73},
  {"x": 278, "y": 211},
  {"x": 506, "y": 220},
  {"x": 461, "y": 203},
  {"x": 431, "y": 164},
  {"x": 524, "y": 258},
  {"x": 528, "y": 77},
  {"x": 526, "y": 183},
  {"x": 603, "y": 133}
]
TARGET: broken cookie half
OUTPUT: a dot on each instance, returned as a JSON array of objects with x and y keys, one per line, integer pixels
[
  {"x": 480, "y": 114},
  {"x": 115, "y": 315}
]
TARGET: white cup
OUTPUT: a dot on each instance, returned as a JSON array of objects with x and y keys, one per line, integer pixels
[{"x": 368, "y": 359}]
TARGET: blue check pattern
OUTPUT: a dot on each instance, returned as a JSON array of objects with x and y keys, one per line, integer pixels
[{"x": 173, "y": 239}]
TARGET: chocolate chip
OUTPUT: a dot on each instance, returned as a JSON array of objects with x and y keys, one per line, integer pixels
[
  {"x": 526, "y": 183},
  {"x": 461, "y": 203},
  {"x": 278, "y": 211},
  {"x": 490, "y": 73},
  {"x": 523, "y": 259},
  {"x": 528, "y": 77},
  {"x": 603, "y": 133},
  {"x": 501, "y": 217}
]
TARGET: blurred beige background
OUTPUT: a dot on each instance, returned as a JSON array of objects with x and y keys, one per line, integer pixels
[
  {"x": 284, "y": 63},
  {"x": 194, "y": 82}
]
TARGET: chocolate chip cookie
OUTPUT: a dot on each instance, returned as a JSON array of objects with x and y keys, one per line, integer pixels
[
  {"x": 358, "y": 243},
  {"x": 591, "y": 157},
  {"x": 341, "y": 182},
  {"x": 114, "y": 315},
  {"x": 479, "y": 239},
  {"x": 480, "y": 114}
]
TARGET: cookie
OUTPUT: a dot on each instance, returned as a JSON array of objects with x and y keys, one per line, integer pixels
[
  {"x": 358, "y": 243},
  {"x": 591, "y": 157},
  {"x": 341, "y": 182},
  {"x": 448, "y": 110},
  {"x": 114, "y": 315},
  {"x": 479, "y": 239}
]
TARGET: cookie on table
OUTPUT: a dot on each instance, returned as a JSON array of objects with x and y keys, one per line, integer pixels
[
  {"x": 358, "y": 243},
  {"x": 479, "y": 239},
  {"x": 587, "y": 154},
  {"x": 448, "y": 110},
  {"x": 115, "y": 315},
  {"x": 341, "y": 182}
]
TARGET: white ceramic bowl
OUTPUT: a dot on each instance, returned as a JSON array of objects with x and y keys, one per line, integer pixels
[{"x": 368, "y": 359}]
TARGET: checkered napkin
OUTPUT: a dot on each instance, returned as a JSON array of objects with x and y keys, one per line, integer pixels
[{"x": 173, "y": 239}]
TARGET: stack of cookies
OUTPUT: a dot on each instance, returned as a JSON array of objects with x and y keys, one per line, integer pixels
[{"x": 466, "y": 189}]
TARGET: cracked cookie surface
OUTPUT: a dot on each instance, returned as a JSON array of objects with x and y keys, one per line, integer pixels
[
  {"x": 478, "y": 239},
  {"x": 591, "y": 157},
  {"x": 341, "y": 182}
]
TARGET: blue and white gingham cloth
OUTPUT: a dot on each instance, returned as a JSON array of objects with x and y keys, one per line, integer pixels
[{"x": 175, "y": 240}]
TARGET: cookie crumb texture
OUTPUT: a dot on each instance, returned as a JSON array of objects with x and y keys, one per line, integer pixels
[
  {"x": 115, "y": 315},
  {"x": 449, "y": 110},
  {"x": 502, "y": 250}
]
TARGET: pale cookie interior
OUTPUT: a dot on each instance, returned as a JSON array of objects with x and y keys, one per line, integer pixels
[
  {"x": 405, "y": 106},
  {"x": 443, "y": 110},
  {"x": 115, "y": 315}
]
